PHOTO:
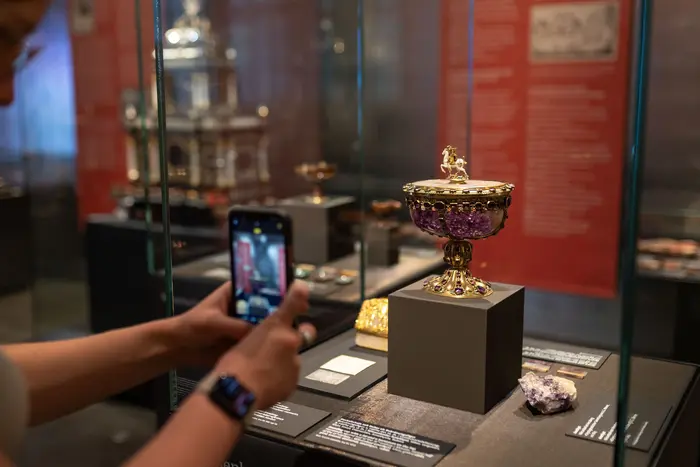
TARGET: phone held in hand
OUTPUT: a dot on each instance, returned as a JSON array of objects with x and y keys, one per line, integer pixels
[{"x": 260, "y": 242}]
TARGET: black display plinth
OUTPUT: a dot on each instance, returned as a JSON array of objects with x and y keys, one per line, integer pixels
[
  {"x": 321, "y": 231},
  {"x": 459, "y": 353},
  {"x": 15, "y": 244},
  {"x": 383, "y": 241}
]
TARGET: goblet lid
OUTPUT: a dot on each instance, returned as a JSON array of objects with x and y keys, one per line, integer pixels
[{"x": 457, "y": 181}]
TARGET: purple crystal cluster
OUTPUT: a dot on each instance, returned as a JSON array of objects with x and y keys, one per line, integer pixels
[
  {"x": 463, "y": 225},
  {"x": 548, "y": 394},
  {"x": 466, "y": 225},
  {"x": 427, "y": 221}
]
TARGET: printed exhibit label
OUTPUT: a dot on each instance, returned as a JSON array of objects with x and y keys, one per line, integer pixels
[
  {"x": 288, "y": 418},
  {"x": 644, "y": 421},
  {"x": 381, "y": 443}
]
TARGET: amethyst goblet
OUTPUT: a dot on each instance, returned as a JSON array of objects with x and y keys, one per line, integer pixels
[{"x": 460, "y": 210}]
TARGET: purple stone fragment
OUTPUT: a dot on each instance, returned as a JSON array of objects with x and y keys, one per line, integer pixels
[{"x": 548, "y": 394}]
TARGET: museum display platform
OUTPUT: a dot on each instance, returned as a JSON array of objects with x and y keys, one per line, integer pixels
[
  {"x": 194, "y": 280},
  {"x": 666, "y": 393},
  {"x": 15, "y": 243}
]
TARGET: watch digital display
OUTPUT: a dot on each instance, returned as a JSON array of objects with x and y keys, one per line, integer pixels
[{"x": 236, "y": 400}]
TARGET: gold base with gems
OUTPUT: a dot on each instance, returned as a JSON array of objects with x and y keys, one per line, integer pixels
[{"x": 458, "y": 283}]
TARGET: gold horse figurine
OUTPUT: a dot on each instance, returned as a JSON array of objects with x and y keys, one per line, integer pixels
[{"x": 453, "y": 165}]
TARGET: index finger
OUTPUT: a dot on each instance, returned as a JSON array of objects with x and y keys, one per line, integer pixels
[{"x": 295, "y": 303}]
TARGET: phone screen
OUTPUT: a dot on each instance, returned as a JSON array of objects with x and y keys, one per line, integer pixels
[{"x": 259, "y": 265}]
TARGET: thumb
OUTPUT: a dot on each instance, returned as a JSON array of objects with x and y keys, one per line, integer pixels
[{"x": 295, "y": 303}]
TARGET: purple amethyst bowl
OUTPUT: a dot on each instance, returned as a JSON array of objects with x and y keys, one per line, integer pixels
[{"x": 470, "y": 210}]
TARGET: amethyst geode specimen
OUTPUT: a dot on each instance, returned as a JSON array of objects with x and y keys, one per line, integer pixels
[{"x": 548, "y": 394}]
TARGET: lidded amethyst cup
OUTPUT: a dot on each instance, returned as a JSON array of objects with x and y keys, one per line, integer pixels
[{"x": 460, "y": 210}]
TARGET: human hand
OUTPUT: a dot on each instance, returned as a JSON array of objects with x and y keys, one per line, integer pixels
[
  {"x": 266, "y": 361},
  {"x": 206, "y": 331}
]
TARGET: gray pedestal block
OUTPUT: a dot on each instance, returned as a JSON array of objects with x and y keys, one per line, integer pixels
[
  {"x": 321, "y": 231},
  {"x": 465, "y": 354},
  {"x": 383, "y": 244}
]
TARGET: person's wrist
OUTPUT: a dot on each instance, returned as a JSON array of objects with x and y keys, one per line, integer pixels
[
  {"x": 241, "y": 369},
  {"x": 172, "y": 336}
]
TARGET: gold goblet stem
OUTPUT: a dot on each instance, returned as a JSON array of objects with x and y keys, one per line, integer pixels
[
  {"x": 457, "y": 281},
  {"x": 317, "y": 193},
  {"x": 458, "y": 254}
]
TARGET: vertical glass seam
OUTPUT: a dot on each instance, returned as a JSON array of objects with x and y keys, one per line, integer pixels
[
  {"x": 631, "y": 227},
  {"x": 361, "y": 143},
  {"x": 164, "y": 179},
  {"x": 470, "y": 78}
]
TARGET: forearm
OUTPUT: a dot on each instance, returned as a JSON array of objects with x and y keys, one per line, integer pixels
[
  {"x": 68, "y": 375},
  {"x": 198, "y": 434}
]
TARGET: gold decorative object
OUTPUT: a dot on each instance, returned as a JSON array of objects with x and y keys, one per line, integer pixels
[
  {"x": 460, "y": 210},
  {"x": 317, "y": 174},
  {"x": 372, "y": 324},
  {"x": 384, "y": 208}
]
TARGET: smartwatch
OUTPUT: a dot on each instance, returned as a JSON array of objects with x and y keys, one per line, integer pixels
[{"x": 229, "y": 395}]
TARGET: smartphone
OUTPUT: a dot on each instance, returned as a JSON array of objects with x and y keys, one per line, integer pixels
[{"x": 260, "y": 241}]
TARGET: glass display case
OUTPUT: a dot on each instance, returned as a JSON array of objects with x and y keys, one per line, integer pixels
[
  {"x": 495, "y": 173},
  {"x": 513, "y": 182},
  {"x": 418, "y": 135}
]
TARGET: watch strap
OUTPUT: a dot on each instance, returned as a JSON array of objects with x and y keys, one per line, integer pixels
[{"x": 208, "y": 384}]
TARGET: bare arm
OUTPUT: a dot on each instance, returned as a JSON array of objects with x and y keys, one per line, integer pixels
[
  {"x": 68, "y": 375},
  {"x": 265, "y": 362},
  {"x": 199, "y": 434},
  {"x": 65, "y": 376}
]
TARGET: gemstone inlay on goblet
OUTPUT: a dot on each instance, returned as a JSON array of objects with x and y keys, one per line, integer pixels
[{"x": 460, "y": 210}]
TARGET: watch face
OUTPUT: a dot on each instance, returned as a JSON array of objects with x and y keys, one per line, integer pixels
[{"x": 233, "y": 397}]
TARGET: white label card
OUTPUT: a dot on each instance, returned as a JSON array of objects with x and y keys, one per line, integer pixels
[
  {"x": 347, "y": 365},
  {"x": 327, "y": 377}
]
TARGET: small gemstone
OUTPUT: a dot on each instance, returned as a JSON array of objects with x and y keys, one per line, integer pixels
[
  {"x": 437, "y": 288},
  {"x": 481, "y": 289},
  {"x": 459, "y": 291}
]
